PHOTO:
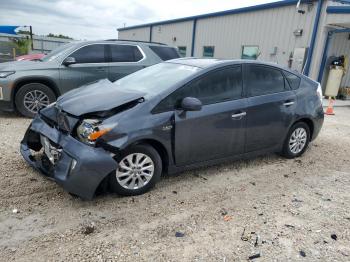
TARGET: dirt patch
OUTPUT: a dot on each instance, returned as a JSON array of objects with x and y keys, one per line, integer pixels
[{"x": 270, "y": 207}]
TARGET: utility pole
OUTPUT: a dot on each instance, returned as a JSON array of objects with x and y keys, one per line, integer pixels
[{"x": 31, "y": 37}]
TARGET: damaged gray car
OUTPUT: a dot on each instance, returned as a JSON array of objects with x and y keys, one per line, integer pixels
[{"x": 169, "y": 117}]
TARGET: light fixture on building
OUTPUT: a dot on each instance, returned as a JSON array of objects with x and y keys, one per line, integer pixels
[
  {"x": 298, "y": 32},
  {"x": 174, "y": 38}
]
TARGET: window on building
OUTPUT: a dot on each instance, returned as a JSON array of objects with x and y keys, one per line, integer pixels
[
  {"x": 182, "y": 50},
  {"x": 208, "y": 51},
  {"x": 90, "y": 54},
  {"x": 215, "y": 87},
  {"x": 293, "y": 80},
  {"x": 262, "y": 80},
  {"x": 125, "y": 53},
  {"x": 250, "y": 52},
  {"x": 165, "y": 52}
]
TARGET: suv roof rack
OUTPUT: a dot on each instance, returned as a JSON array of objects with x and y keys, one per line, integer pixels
[{"x": 138, "y": 41}]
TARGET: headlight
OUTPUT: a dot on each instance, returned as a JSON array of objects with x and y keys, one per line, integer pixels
[
  {"x": 6, "y": 73},
  {"x": 91, "y": 129}
]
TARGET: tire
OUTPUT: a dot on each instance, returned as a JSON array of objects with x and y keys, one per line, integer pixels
[
  {"x": 127, "y": 176},
  {"x": 288, "y": 150},
  {"x": 25, "y": 98}
]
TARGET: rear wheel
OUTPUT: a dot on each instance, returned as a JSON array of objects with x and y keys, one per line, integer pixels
[
  {"x": 32, "y": 97},
  {"x": 139, "y": 168},
  {"x": 297, "y": 140}
]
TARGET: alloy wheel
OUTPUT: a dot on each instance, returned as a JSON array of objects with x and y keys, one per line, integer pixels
[
  {"x": 35, "y": 100},
  {"x": 297, "y": 140},
  {"x": 135, "y": 171}
]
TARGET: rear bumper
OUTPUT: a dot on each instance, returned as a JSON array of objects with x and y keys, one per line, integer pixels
[
  {"x": 318, "y": 123},
  {"x": 80, "y": 168}
]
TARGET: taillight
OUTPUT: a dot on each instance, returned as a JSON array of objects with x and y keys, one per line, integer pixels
[{"x": 319, "y": 92}]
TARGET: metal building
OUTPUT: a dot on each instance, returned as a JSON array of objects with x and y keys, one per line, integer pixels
[{"x": 299, "y": 34}]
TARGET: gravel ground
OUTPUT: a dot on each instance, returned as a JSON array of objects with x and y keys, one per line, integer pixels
[{"x": 269, "y": 206}]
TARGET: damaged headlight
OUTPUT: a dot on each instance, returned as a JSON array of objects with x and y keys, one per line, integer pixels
[{"x": 91, "y": 129}]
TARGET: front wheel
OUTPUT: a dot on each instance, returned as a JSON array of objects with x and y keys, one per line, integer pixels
[
  {"x": 30, "y": 98},
  {"x": 297, "y": 140},
  {"x": 139, "y": 168}
]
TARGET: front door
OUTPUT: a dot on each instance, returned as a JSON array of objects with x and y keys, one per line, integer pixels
[
  {"x": 271, "y": 106},
  {"x": 91, "y": 65},
  {"x": 218, "y": 129}
]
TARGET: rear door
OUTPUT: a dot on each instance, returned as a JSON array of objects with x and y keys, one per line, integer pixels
[
  {"x": 218, "y": 129},
  {"x": 124, "y": 60},
  {"x": 91, "y": 65},
  {"x": 271, "y": 106}
]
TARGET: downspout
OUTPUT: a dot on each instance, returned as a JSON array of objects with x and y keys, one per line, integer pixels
[
  {"x": 193, "y": 35},
  {"x": 150, "y": 33},
  {"x": 313, "y": 38},
  {"x": 324, "y": 56}
]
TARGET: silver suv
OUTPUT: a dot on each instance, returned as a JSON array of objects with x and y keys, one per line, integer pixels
[{"x": 27, "y": 86}]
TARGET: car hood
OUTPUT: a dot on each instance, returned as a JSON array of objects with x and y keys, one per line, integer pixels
[
  {"x": 99, "y": 96},
  {"x": 26, "y": 65}
]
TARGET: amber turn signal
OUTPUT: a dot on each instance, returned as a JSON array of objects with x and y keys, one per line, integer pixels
[{"x": 93, "y": 136}]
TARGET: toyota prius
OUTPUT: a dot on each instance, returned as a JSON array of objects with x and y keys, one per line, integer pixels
[{"x": 176, "y": 115}]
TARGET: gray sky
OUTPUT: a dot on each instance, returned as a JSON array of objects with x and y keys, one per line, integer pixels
[{"x": 98, "y": 19}]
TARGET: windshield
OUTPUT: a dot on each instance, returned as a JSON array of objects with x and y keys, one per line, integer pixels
[
  {"x": 56, "y": 52},
  {"x": 155, "y": 79}
]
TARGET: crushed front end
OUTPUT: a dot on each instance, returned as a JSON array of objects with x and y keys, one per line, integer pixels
[{"x": 51, "y": 147}]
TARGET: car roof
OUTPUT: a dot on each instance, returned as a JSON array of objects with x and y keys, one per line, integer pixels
[
  {"x": 118, "y": 41},
  {"x": 214, "y": 62}
]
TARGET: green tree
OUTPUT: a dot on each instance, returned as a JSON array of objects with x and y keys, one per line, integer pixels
[
  {"x": 59, "y": 36},
  {"x": 22, "y": 45}
]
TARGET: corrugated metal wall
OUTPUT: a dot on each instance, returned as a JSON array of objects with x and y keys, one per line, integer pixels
[
  {"x": 141, "y": 34},
  {"x": 46, "y": 44},
  {"x": 341, "y": 46},
  {"x": 180, "y": 32},
  {"x": 267, "y": 29}
]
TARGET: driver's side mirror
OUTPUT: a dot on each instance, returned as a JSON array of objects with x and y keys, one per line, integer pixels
[
  {"x": 191, "y": 104},
  {"x": 69, "y": 61}
]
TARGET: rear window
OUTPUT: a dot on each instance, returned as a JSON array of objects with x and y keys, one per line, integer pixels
[
  {"x": 125, "y": 53},
  {"x": 293, "y": 80},
  {"x": 263, "y": 80},
  {"x": 165, "y": 52}
]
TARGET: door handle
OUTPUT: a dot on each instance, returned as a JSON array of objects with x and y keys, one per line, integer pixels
[
  {"x": 239, "y": 115},
  {"x": 288, "y": 103}
]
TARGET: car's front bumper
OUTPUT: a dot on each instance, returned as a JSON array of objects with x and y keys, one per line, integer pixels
[
  {"x": 80, "y": 168},
  {"x": 6, "y": 106}
]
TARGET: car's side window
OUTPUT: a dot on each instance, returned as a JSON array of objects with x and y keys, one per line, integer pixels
[
  {"x": 90, "y": 54},
  {"x": 125, "y": 53},
  {"x": 293, "y": 80},
  {"x": 165, "y": 52},
  {"x": 214, "y": 87},
  {"x": 263, "y": 80}
]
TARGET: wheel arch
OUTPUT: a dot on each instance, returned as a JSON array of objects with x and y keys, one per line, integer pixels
[
  {"x": 159, "y": 147},
  {"x": 30, "y": 80},
  {"x": 309, "y": 123}
]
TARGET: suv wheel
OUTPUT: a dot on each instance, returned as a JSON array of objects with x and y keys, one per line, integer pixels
[
  {"x": 297, "y": 140},
  {"x": 139, "y": 168},
  {"x": 30, "y": 98}
]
